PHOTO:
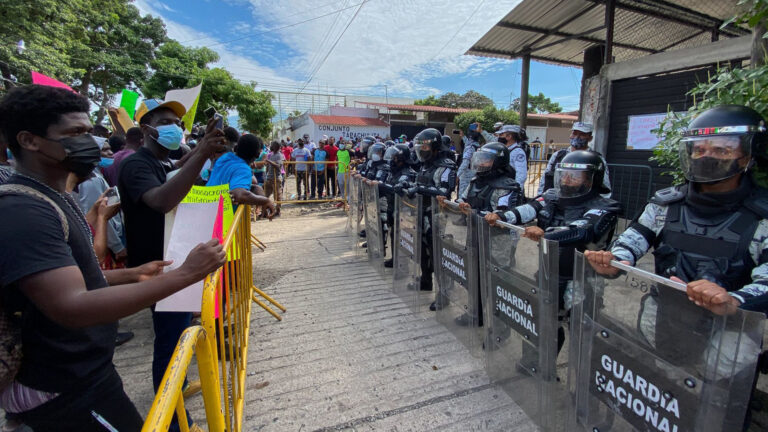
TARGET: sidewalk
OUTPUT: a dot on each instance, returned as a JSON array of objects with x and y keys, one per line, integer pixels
[{"x": 348, "y": 355}]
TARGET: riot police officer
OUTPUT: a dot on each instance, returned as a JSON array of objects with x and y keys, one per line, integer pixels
[
  {"x": 573, "y": 213},
  {"x": 493, "y": 188},
  {"x": 471, "y": 142},
  {"x": 513, "y": 136},
  {"x": 365, "y": 145},
  {"x": 581, "y": 135},
  {"x": 711, "y": 232},
  {"x": 437, "y": 177},
  {"x": 398, "y": 157}
]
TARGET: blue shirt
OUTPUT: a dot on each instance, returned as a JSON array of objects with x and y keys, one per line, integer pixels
[
  {"x": 320, "y": 156},
  {"x": 231, "y": 169}
]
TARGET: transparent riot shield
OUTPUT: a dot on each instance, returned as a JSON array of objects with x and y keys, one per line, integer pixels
[
  {"x": 407, "y": 249},
  {"x": 356, "y": 214},
  {"x": 374, "y": 233},
  {"x": 455, "y": 264},
  {"x": 519, "y": 280},
  {"x": 644, "y": 357}
]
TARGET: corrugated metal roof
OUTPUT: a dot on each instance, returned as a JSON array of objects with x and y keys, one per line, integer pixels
[
  {"x": 419, "y": 108},
  {"x": 558, "y": 31},
  {"x": 348, "y": 120}
]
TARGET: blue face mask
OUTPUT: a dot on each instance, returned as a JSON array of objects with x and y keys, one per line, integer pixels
[
  {"x": 579, "y": 143},
  {"x": 105, "y": 162},
  {"x": 8, "y": 154},
  {"x": 169, "y": 136}
]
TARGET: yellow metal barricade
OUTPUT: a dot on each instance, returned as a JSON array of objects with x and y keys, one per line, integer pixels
[
  {"x": 169, "y": 400},
  {"x": 226, "y": 314}
]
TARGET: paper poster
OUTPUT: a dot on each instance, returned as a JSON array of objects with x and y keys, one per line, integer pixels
[
  {"x": 193, "y": 225},
  {"x": 639, "y": 135}
]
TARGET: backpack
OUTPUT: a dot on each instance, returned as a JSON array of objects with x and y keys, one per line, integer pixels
[{"x": 10, "y": 330}]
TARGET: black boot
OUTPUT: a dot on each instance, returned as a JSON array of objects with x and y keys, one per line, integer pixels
[{"x": 389, "y": 263}]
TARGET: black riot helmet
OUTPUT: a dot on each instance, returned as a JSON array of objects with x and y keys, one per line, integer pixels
[
  {"x": 376, "y": 151},
  {"x": 491, "y": 160},
  {"x": 447, "y": 143},
  {"x": 721, "y": 142},
  {"x": 428, "y": 143},
  {"x": 366, "y": 143},
  {"x": 389, "y": 143},
  {"x": 397, "y": 155},
  {"x": 580, "y": 175}
]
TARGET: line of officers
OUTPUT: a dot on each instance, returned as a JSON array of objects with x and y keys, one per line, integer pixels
[{"x": 710, "y": 233}]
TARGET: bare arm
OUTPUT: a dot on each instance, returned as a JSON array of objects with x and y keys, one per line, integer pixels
[{"x": 62, "y": 296}]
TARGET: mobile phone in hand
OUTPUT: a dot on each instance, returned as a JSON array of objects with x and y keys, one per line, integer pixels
[
  {"x": 112, "y": 196},
  {"x": 210, "y": 112}
]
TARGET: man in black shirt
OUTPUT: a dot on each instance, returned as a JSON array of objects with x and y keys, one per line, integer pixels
[
  {"x": 147, "y": 195},
  {"x": 49, "y": 273}
]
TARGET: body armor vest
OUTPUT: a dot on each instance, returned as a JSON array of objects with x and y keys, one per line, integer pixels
[
  {"x": 715, "y": 247},
  {"x": 481, "y": 192}
]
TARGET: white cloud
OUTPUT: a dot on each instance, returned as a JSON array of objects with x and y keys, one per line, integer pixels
[{"x": 397, "y": 43}]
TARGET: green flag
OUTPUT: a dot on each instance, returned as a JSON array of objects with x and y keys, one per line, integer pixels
[{"x": 128, "y": 101}]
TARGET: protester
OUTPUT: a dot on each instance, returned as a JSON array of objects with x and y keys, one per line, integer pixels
[
  {"x": 234, "y": 170},
  {"x": 301, "y": 154},
  {"x": 287, "y": 150},
  {"x": 331, "y": 149},
  {"x": 147, "y": 195},
  {"x": 259, "y": 167},
  {"x": 274, "y": 179},
  {"x": 134, "y": 139},
  {"x": 69, "y": 305},
  {"x": 318, "y": 172},
  {"x": 344, "y": 158}
]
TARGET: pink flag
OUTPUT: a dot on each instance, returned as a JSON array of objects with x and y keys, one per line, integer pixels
[{"x": 38, "y": 78}]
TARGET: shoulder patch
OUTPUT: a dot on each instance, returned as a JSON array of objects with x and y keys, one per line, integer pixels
[
  {"x": 596, "y": 212},
  {"x": 520, "y": 158},
  {"x": 669, "y": 195}
]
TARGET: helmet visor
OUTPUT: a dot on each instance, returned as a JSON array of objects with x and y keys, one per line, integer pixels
[
  {"x": 482, "y": 161},
  {"x": 715, "y": 157},
  {"x": 423, "y": 150},
  {"x": 573, "y": 180},
  {"x": 390, "y": 154}
]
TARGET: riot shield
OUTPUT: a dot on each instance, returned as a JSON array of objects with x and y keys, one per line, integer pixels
[
  {"x": 644, "y": 357},
  {"x": 455, "y": 264},
  {"x": 407, "y": 249},
  {"x": 355, "y": 215},
  {"x": 520, "y": 286},
  {"x": 373, "y": 226}
]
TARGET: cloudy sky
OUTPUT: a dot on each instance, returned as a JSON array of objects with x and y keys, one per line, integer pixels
[{"x": 411, "y": 48}]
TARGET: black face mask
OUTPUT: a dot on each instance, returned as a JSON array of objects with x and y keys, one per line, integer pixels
[
  {"x": 83, "y": 154},
  {"x": 502, "y": 140},
  {"x": 704, "y": 167}
]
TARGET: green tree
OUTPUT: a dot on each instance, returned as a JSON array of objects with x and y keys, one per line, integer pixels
[
  {"x": 47, "y": 28},
  {"x": 487, "y": 117},
  {"x": 539, "y": 104},
  {"x": 176, "y": 66},
  {"x": 117, "y": 46},
  {"x": 470, "y": 99}
]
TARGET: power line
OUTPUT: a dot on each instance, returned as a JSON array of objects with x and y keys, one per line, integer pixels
[
  {"x": 286, "y": 26},
  {"x": 459, "y": 29},
  {"x": 333, "y": 46}
]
